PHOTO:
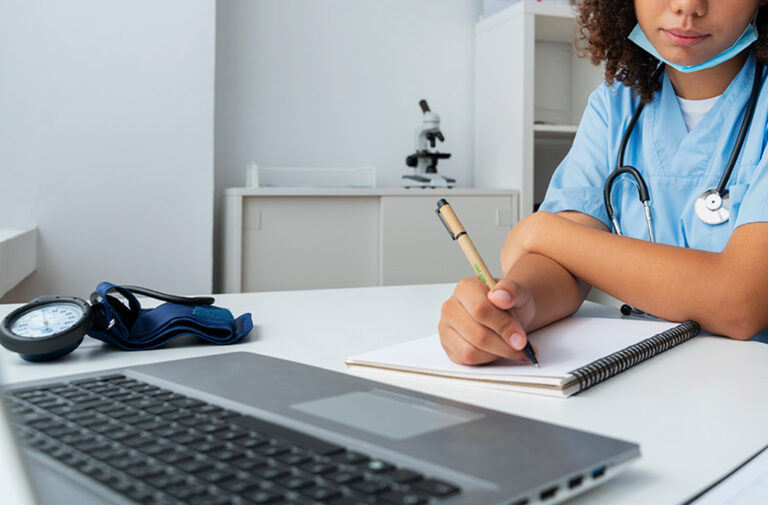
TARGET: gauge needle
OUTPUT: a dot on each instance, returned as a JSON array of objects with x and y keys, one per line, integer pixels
[{"x": 45, "y": 320}]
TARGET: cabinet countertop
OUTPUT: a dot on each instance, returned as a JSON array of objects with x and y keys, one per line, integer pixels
[{"x": 301, "y": 191}]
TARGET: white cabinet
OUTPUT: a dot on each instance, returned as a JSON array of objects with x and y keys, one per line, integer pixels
[
  {"x": 280, "y": 239},
  {"x": 530, "y": 92}
]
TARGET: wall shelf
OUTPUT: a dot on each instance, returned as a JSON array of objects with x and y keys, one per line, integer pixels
[
  {"x": 18, "y": 256},
  {"x": 530, "y": 92}
]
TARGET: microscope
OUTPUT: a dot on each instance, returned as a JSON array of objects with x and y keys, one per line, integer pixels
[{"x": 424, "y": 160}]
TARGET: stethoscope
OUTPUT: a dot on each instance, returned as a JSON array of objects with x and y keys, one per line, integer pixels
[{"x": 712, "y": 207}]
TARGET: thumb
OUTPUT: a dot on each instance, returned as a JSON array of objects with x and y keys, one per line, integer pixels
[
  {"x": 501, "y": 298},
  {"x": 508, "y": 294}
]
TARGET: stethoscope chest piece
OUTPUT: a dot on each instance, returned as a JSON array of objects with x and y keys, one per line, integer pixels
[{"x": 712, "y": 208}]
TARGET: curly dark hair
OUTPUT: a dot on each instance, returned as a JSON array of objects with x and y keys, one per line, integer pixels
[{"x": 604, "y": 26}]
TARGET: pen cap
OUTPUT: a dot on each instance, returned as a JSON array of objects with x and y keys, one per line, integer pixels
[
  {"x": 456, "y": 229},
  {"x": 449, "y": 218}
]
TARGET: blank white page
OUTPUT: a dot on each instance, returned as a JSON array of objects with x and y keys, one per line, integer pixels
[{"x": 562, "y": 347}]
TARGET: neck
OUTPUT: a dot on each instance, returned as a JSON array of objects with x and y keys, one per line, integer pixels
[{"x": 707, "y": 83}]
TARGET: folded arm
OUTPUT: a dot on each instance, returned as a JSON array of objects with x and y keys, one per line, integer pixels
[{"x": 726, "y": 292}]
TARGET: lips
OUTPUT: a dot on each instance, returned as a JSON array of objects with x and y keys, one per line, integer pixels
[{"x": 684, "y": 37}]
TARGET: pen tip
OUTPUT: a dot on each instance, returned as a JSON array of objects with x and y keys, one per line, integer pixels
[{"x": 537, "y": 365}]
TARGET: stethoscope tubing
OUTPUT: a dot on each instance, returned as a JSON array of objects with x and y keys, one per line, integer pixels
[{"x": 642, "y": 187}]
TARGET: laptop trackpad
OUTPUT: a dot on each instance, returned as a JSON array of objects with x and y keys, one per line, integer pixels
[{"x": 387, "y": 414}]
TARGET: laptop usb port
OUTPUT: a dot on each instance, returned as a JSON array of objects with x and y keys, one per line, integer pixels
[
  {"x": 548, "y": 493},
  {"x": 598, "y": 472},
  {"x": 575, "y": 482}
]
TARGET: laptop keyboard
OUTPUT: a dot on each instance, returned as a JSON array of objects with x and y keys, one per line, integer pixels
[{"x": 157, "y": 447}]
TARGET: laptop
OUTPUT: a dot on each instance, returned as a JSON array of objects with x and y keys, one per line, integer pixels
[{"x": 242, "y": 429}]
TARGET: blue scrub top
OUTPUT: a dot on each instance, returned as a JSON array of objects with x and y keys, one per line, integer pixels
[{"x": 676, "y": 164}]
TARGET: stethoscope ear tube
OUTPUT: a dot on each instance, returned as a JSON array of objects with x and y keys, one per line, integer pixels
[{"x": 746, "y": 122}]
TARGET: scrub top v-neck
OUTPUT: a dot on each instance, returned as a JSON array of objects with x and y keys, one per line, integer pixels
[{"x": 677, "y": 164}]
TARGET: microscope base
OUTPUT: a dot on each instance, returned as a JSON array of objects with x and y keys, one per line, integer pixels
[{"x": 428, "y": 181}]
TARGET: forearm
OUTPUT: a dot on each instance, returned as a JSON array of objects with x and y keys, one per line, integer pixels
[
  {"x": 556, "y": 292},
  {"x": 670, "y": 282}
]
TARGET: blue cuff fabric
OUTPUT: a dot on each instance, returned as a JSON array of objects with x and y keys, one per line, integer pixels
[{"x": 133, "y": 328}]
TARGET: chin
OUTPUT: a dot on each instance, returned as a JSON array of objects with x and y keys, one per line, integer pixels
[{"x": 684, "y": 56}]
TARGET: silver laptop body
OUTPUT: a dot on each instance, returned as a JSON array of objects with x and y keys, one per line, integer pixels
[{"x": 494, "y": 458}]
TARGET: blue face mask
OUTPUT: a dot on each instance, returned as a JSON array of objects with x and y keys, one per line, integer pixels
[{"x": 750, "y": 35}]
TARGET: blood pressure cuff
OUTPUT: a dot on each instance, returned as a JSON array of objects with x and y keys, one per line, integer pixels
[{"x": 128, "y": 326}]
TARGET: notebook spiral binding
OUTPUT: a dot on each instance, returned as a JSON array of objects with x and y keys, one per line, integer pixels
[{"x": 611, "y": 365}]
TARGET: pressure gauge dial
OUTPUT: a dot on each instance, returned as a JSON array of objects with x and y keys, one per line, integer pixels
[{"x": 46, "y": 328}]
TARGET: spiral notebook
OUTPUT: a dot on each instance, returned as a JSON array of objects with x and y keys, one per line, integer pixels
[{"x": 575, "y": 354}]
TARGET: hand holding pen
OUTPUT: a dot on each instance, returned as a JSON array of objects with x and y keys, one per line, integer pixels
[{"x": 478, "y": 326}]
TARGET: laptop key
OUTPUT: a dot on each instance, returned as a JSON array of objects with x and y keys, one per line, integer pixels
[
  {"x": 273, "y": 449},
  {"x": 270, "y": 472},
  {"x": 403, "y": 498},
  {"x": 209, "y": 446},
  {"x": 294, "y": 458},
  {"x": 194, "y": 466},
  {"x": 294, "y": 437},
  {"x": 351, "y": 458},
  {"x": 208, "y": 499},
  {"x": 320, "y": 493},
  {"x": 154, "y": 449},
  {"x": 240, "y": 486},
  {"x": 186, "y": 490},
  {"x": 263, "y": 496},
  {"x": 404, "y": 476},
  {"x": 348, "y": 500},
  {"x": 227, "y": 454},
  {"x": 371, "y": 487},
  {"x": 344, "y": 477},
  {"x": 379, "y": 466},
  {"x": 436, "y": 488},
  {"x": 318, "y": 467},
  {"x": 188, "y": 439},
  {"x": 295, "y": 482},
  {"x": 253, "y": 440},
  {"x": 137, "y": 442},
  {"x": 187, "y": 403},
  {"x": 173, "y": 457},
  {"x": 216, "y": 476},
  {"x": 178, "y": 415},
  {"x": 249, "y": 462},
  {"x": 165, "y": 480},
  {"x": 169, "y": 431},
  {"x": 231, "y": 434}
]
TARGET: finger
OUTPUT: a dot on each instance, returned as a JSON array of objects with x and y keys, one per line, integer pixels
[
  {"x": 461, "y": 351},
  {"x": 509, "y": 295},
  {"x": 473, "y": 297},
  {"x": 475, "y": 334}
]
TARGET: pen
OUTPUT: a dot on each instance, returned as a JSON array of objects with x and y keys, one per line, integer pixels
[{"x": 459, "y": 234}]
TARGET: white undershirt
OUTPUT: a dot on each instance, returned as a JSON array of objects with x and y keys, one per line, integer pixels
[{"x": 695, "y": 110}]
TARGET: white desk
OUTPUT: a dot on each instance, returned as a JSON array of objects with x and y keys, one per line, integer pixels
[{"x": 696, "y": 411}]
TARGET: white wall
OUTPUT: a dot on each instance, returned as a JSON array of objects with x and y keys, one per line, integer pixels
[
  {"x": 106, "y": 141},
  {"x": 337, "y": 83}
]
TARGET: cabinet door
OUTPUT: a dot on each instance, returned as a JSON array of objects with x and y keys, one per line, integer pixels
[
  {"x": 416, "y": 248},
  {"x": 310, "y": 242}
]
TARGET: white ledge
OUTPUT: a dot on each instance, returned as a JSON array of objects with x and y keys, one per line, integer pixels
[{"x": 18, "y": 256}]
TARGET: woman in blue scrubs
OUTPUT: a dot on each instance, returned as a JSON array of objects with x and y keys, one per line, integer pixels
[{"x": 716, "y": 274}]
